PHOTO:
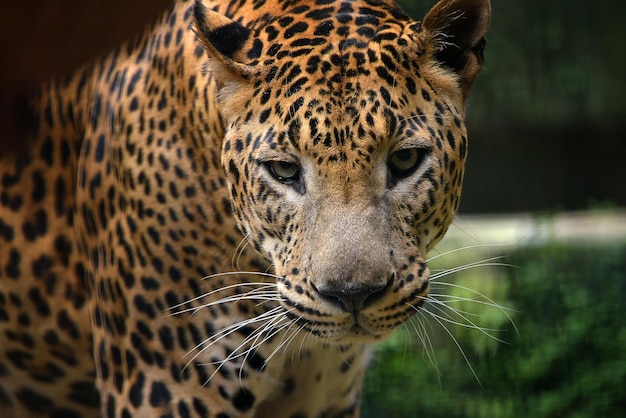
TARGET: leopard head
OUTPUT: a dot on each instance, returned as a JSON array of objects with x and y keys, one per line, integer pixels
[{"x": 345, "y": 147}]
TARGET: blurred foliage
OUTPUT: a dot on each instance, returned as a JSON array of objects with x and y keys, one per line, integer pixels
[
  {"x": 549, "y": 63},
  {"x": 568, "y": 359}
]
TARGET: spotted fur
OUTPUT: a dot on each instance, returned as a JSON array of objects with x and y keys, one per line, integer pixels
[{"x": 318, "y": 143}]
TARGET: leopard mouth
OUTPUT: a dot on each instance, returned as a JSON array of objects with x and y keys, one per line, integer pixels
[
  {"x": 350, "y": 328},
  {"x": 372, "y": 323},
  {"x": 360, "y": 332}
]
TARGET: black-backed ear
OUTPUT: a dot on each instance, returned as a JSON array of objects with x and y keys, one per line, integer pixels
[
  {"x": 455, "y": 30},
  {"x": 224, "y": 39}
]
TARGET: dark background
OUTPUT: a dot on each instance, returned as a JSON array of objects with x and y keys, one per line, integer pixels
[{"x": 547, "y": 115}]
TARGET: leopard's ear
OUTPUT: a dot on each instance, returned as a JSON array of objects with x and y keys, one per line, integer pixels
[
  {"x": 455, "y": 32},
  {"x": 225, "y": 41}
]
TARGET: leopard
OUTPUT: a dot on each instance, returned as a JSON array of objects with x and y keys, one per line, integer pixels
[{"x": 223, "y": 215}]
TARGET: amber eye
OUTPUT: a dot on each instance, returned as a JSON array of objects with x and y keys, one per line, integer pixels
[
  {"x": 284, "y": 171},
  {"x": 404, "y": 162}
]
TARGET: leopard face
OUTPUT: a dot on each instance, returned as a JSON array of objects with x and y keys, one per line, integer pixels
[{"x": 345, "y": 151}]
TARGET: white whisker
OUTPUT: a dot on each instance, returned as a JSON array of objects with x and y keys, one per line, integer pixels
[
  {"x": 235, "y": 353},
  {"x": 466, "y": 248},
  {"x": 235, "y": 262},
  {"x": 427, "y": 344},
  {"x": 286, "y": 339},
  {"x": 456, "y": 342},
  {"x": 265, "y": 316},
  {"x": 444, "y": 316},
  {"x": 263, "y": 285},
  {"x": 489, "y": 302},
  {"x": 454, "y": 299},
  {"x": 487, "y": 262}
]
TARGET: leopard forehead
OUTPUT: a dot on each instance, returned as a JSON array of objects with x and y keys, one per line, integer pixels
[{"x": 338, "y": 83}]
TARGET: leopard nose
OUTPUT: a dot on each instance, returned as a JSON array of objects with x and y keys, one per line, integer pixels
[{"x": 355, "y": 296}]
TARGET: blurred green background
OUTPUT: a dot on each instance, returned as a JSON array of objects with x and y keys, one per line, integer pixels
[{"x": 533, "y": 326}]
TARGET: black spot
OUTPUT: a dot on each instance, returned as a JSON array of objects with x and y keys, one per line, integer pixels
[
  {"x": 33, "y": 401},
  {"x": 150, "y": 283},
  {"x": 134, "y": 104},
  {"x": 410, "y": 85},
  {"x": 135, "y": 394},
  {"x": 297, "y": 104},
  {"x": 12, "y": 268},
  {"x": 183, "y": 410},
  {"x": 451, "y": 139},
  {"x": 154, "y": 235},
  {"x": 190, "y": 191},
  {"x": 324, "y": 29},
  {"x": 40, "y": 302},
  {"x": 133, "y": 83},
  {"x": 200, "y": 407},
  {"x": 47, "y": 150},
  {"x": 256, "y": 361},
  {"x": 65, "y": 322},
  {"x": 131, "y": 361},
  {"x": 203, "y": 376},
  {"x": 166, "y": 337},
  {"x": 118, "y": 379},
  {"x": 295, "y": 29},
  {"x": 177, "y": 374},
  {"x": 13, "y": 202},
  {"x": 175, "y": 274},
  {"x": 39, "y": 187},
  {"x": 23, "y": 319},
  {"x": 41, "y": 266},
  {"x": 255, "y": 51},
  {"x": 110, "y": 406},
  {"x": 174, "y": 190},
  {"x": 145, "y": 330},
  {"x": 159, "y": 394},
  {"x": 63, "y": 248},
  {"x": 64, "y": 413},
  {"x": 65, "y": 354},
  {"x": 384, "y": 74},
  {"x": 182, "y": 338},
  {"x": 37, "y": 227},
  {"x": 264, "y": 115},
  {"x": 234, "y": 170},
  {"x": 19, "y": 358},
  {"x": 288, "y": 386},
  {"x": 463, "y": 148},
  {"x": 60, "y": 190},
  {"x": 6, "y": 231},
  {"x": 243, "y": 400},
  {"x": 94, "y": 113}
]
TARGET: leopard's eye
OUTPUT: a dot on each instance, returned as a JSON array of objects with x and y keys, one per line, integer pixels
[
  {"x": 405, "y": 161},
  {"x": 284, "y": 171}
]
